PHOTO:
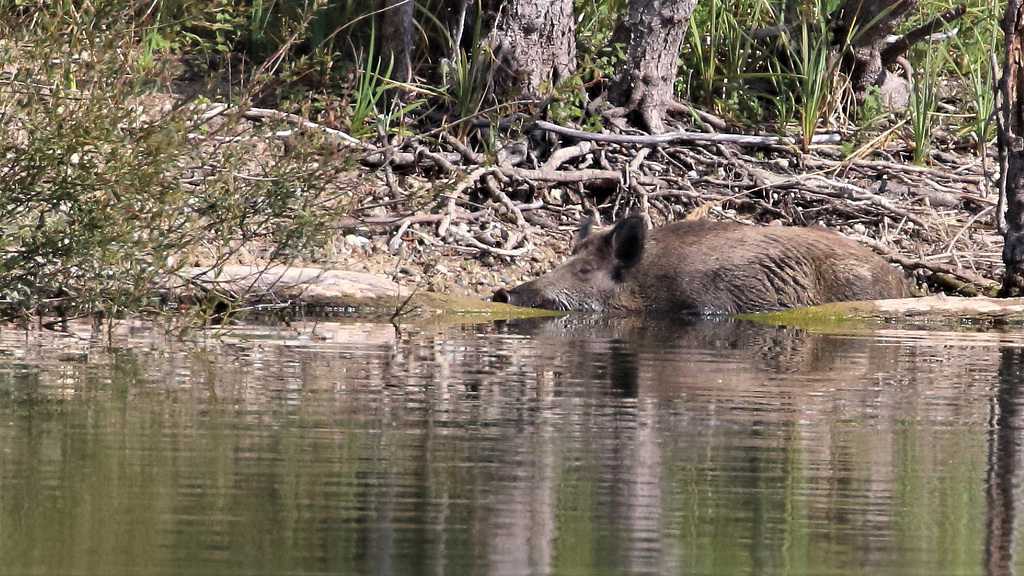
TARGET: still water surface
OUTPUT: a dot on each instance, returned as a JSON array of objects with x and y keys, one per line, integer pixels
[{"x": 574, "y": 446}]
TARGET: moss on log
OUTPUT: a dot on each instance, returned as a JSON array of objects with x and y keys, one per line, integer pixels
[{"x": 931, "y": 310}]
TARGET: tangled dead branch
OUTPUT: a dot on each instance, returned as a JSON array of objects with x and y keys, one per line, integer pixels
[{"x": 516, "y": 213}]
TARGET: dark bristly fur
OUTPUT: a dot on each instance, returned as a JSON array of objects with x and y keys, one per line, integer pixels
[{"x": 707, "y": 267}]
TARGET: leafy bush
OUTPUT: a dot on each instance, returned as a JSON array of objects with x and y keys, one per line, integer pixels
[{"x": 110, "y": 183}]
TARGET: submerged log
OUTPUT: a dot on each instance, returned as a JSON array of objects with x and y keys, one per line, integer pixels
[
  {"x": 939, "y": 310},
  {"x": 284, "y": 286}
]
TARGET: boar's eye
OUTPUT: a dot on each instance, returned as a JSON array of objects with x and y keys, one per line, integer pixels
[{"x": 585, "y": 270}]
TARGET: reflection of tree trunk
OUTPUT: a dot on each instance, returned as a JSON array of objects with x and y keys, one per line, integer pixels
[
  {"x": 521, "y": 522},
  {"x": 1003, "y": 461},
  {"x": 638, "y": 467},
  {"x": 1011, "y": 148},
  {"x": 643, "y": 495}
]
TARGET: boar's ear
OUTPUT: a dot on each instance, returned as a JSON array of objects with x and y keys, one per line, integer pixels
[{"x": 627, "y": 241}]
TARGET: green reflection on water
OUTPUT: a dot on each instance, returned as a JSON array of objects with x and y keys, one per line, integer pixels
[{"x": 468, "y": 452}]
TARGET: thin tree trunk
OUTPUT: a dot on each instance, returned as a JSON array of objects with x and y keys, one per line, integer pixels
[
  {"x": 1011, "y": 148},
  {"x": 535, "y": 45},
  {"x": 396, "y": 37},
  {"x": 652, "y": 31},
  {"x": 865, "y": 24}
]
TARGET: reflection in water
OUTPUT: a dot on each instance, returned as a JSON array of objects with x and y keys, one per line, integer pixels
[
  {"x": 575, "y": 445},
  {"x": 1004, "y": 463}
]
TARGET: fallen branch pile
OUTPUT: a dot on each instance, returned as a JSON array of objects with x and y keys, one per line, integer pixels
[{"x": 439, "y": 196}]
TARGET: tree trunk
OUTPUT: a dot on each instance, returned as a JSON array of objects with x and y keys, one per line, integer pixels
[
  {"x": 1011, "y": 148},
  {"x": 652, "y": 32},
  {"x": 865, "y": 24},
  {"x": 396, "y": 37},
  {"x": 535, "y": 44}
]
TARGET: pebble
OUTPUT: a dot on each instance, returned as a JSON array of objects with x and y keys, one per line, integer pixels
[{"x": 354, "y": 240}]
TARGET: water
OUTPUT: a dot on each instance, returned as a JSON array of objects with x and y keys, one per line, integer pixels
[{"x": 546, "y": 447}]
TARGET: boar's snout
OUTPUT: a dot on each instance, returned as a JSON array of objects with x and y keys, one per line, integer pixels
[
  {"x": 528, "y": 296},
  {"x": 518, "y": 296}
]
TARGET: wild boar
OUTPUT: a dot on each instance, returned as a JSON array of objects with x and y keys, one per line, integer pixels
[{"x": 707, "y": 267}]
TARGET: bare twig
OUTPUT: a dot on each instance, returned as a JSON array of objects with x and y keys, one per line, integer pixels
[
  {"x": 591, "y": 175},
  {"x": 900, "y": 47},
  {"x": 419, "y": 159},
  {"x": 910, "y": 264},
  {"x": 563, "y": 155},
  {"x": 833, "y": 188},
  {"x": 262, "y": 113},
  {"x": 437, "y": 158},
  {"x": 391, "y": 221},
  {"x": 663, "y": 138},
  {"x": 460, "y": 147}
]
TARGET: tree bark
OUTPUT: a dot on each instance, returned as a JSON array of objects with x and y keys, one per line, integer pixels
[
  {"x": 652, "y": 31},
  {"x": 865, "y": 24},
  {"x": 534, "y": 46},
  {"x": 396, "y": 37},
  {"x": 1011, "y": 148}
]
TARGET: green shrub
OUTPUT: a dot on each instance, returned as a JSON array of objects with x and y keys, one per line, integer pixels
[{"x": 111, "y": 184}]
